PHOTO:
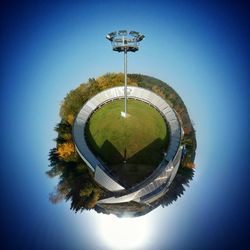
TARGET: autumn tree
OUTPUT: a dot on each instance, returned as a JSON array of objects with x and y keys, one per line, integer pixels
[
  {"x": 76, "y": 183},
  {"x": 66, "y": 150}
]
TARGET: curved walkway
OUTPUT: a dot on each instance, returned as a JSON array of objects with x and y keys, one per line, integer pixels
[{"x": 165, "y": 171}]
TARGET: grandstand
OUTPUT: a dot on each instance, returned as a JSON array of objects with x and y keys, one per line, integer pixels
[{"x": 158, "y": 182}]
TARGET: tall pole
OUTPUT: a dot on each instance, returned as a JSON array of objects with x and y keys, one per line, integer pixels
[
  {"x": 125, "y": 81},
  {"x": 124, "y": 41}
]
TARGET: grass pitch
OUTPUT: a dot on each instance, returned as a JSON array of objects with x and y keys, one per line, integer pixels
[{"x": 131, "y": 147}]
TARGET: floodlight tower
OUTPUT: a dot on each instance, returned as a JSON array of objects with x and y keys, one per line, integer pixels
[{"x": 125, "y": 41}]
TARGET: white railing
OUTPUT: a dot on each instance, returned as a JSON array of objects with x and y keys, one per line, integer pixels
[{"x": 135, "y": 93}]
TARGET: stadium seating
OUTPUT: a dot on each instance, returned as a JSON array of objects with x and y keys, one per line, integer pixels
[{"x": 166, "y": 170}]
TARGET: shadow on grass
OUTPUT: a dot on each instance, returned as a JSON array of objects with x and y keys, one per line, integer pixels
[
  {"x": 132, "y": 170},
  {"x": 135, "y": 169},
  {"x": 149, "y": 155},
  {"x": 152, "y": 154},
  {"x": 110, "y": 154}
]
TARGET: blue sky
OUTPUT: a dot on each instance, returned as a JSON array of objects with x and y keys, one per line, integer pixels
[{"x": 200, "y": 49}]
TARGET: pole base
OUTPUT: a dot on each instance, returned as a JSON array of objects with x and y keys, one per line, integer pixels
[{"x": 123, "y": 114}]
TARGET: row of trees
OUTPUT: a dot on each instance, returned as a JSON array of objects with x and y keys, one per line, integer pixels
[
  {"x": 76, "y": 183},
  {"x": 169, "y": 94}
]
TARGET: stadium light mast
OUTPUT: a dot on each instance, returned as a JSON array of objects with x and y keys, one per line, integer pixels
[{"x": 125, "y": 41}]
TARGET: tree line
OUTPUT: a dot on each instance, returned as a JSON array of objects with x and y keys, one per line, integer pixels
[{"x": 76, "y": 183}]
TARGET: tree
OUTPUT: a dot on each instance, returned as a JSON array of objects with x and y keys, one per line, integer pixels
[
  {"x": 65, "y": 150},
  {"x": 60, "y": 193},
  {"x": 76, "y": 183},
  {"x": 86, "y": 189},
  {"x": 70, "y": 119},
  {"x": 91, "y": 201}
]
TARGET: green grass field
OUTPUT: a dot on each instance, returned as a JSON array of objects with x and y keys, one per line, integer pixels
[{"x": 139, "y": 139}]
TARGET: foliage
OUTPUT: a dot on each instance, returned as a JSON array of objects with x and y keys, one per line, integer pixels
[
  {"x": 111, "y": 80},
  {"x": 76, "y": 183},
  {"x": 177, "y": 188},
  {"x": 63, "y": 130},
  {"x": 66, "y": 150},
  {"x": 70, "y": 119},
  {"x": 77, "y": 97}
]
